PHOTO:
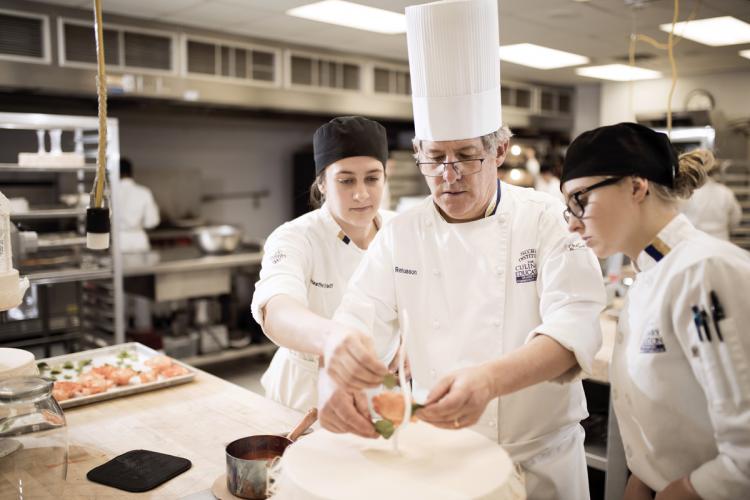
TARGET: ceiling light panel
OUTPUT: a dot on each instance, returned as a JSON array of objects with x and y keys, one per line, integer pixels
[
  {"x": 536, "y": 56},
  {"x": 352, "y": 15}
]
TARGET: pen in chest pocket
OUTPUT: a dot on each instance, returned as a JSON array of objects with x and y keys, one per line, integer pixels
[
  {"x": 704, "y": 323},
  {"x": 697, "y": 320},
  {"x": 717, "y": 312}
]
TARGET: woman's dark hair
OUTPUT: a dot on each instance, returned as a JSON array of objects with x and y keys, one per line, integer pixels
[{"x": 316, "y": 195}]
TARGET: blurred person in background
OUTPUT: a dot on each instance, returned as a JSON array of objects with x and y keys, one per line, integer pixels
[
  {"x": 139, "y": 211},
  {"x": 713, "y": 208}
]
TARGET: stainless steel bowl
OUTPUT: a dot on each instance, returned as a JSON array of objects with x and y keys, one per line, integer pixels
[{"x": 217, "y": 239}]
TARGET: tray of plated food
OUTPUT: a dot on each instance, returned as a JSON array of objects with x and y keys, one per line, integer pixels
[{"x": 111, "y": 372}]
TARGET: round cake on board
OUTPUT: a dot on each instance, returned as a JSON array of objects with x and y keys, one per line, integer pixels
[{"x": 431, "y": 463}]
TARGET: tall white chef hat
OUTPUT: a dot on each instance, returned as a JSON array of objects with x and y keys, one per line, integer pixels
[{"x": 455, "y": 68}]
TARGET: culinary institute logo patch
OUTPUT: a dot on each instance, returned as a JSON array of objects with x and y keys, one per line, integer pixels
[
  {"x": 652, "y": 342},
  {"x": 526, "y": 266}
]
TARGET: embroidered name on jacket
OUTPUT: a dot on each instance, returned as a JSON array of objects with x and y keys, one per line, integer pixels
[
  {"x": 576, "y": 245},
  {"x": 411, "y": 272},
  {"x": 653, "y": 342},
  {"x": 321, "y": 285},
  {"x": 526, "y": 267}
]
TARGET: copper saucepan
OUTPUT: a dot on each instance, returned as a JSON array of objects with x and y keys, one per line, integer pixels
[{"x": 249, "y": 458}]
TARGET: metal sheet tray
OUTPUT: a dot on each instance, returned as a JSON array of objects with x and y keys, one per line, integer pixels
[{"x": 110, "y": 355}]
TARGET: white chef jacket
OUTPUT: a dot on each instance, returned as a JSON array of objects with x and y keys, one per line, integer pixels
[
  {"x": 683, "y": 405},
  {"x": 476, "y": 290},
  {"x": 309, "y": 259},
  {"x": 714, "y": 209},
  {"x": 137, "y": 211}
]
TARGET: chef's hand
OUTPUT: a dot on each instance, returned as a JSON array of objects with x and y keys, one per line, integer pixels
[
  {"x": 343, "y": 411},
  {"x": 680, "y": 489},
  {"x": 350, "y": 360},
  {"x": 636, "y": 489},
  {"x": 459, "y": 399}
]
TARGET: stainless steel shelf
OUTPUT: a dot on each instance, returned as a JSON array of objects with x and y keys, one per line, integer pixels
[
  {"x": 596, "y": 456},
  {"x": 61, "y": 242},
  {"x": 229, "y": 354},
  {"x": 67, "y": 276},
  {"x": 51, "y": 213},
  {"x": 14, "y": 167}
]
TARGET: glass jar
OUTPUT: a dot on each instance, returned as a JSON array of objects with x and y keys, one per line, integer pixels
[{"x": 33, "y": 440}]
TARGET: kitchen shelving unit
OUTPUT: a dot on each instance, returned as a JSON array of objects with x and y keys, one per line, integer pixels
[
  {"x": 736, "y": 175},
  {"x": 86, "y": 322}
]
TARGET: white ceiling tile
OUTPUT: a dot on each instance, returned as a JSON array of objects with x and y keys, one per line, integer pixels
[
  {"x": 68, "y": 3},
  {"x": 215, "y": 13}
]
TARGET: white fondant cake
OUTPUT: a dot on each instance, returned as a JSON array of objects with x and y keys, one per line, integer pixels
[{"x": 432, "y": 463}]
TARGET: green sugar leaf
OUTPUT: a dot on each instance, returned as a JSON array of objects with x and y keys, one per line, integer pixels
[
  {"x": 390, "y": 381},
  {"x": 385, "y": 428}
]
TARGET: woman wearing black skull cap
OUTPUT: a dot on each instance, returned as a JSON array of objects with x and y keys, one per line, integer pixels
[
  {"x": 308, "y": 261},
  {"x": 680, "y": 371}
]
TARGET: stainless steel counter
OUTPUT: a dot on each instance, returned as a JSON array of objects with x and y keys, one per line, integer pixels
[{"x": 185, "y": 259}]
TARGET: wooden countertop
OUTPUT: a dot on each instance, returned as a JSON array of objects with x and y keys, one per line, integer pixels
[{"x": 194, "y": 420}]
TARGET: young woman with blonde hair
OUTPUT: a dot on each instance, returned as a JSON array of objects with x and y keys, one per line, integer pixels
[{"x": 680, "y": 372}]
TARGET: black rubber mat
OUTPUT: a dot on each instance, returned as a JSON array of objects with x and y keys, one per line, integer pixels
[{"x": 139, "y": 470}]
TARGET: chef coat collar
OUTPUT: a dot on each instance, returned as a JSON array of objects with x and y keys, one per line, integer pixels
[
  {"x": 333, "y": 227},
  {"x": 673, "y": 233},
  {"x": 492, "y": 208}
]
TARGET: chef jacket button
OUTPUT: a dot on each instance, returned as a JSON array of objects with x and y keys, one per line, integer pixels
[
  {"x": 429, "y": 222},
  {"x": 433, "y": 373},
  {"x": 499, "y": 269},
  {"x": 436, "y": 271},
  {"x": 436, "y": 325},
  {"x": 491, "y": 423},
  {"x": 496, "y": 322}
]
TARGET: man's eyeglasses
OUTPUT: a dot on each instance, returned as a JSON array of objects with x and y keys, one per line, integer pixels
[
  {"x": 576, "y": 207},
  {"x": 461, "y": 167}
]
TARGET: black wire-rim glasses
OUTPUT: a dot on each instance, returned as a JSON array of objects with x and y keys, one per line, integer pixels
[
  {"x": 575, "y": 207},
  {"x": 461, "y": 167}
]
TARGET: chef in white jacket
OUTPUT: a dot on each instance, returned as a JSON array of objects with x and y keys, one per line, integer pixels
[
  {"x": 308, "y": 261},
  {"x": 680, "y": 371},
  {"x": 502, "y": 302},
  {"x": 139, "y": 211},
  {"x": 713, "y": 208}
]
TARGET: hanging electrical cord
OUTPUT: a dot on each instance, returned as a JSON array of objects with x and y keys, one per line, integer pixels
[
  {"x": 672, "y": 41},
  {"x": 673, "y": 65},
  {"x": 97, "y": 215}
]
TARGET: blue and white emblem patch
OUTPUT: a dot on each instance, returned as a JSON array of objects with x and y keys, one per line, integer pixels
[{"x": 652, "y": 342}]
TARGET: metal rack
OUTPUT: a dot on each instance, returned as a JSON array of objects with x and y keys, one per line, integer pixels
[
  {"x": 736, "y": 175},
  {"x": 87, "y": 324}
]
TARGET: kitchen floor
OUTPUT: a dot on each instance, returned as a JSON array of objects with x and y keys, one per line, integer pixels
[{"x": 243, "y": 372}]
